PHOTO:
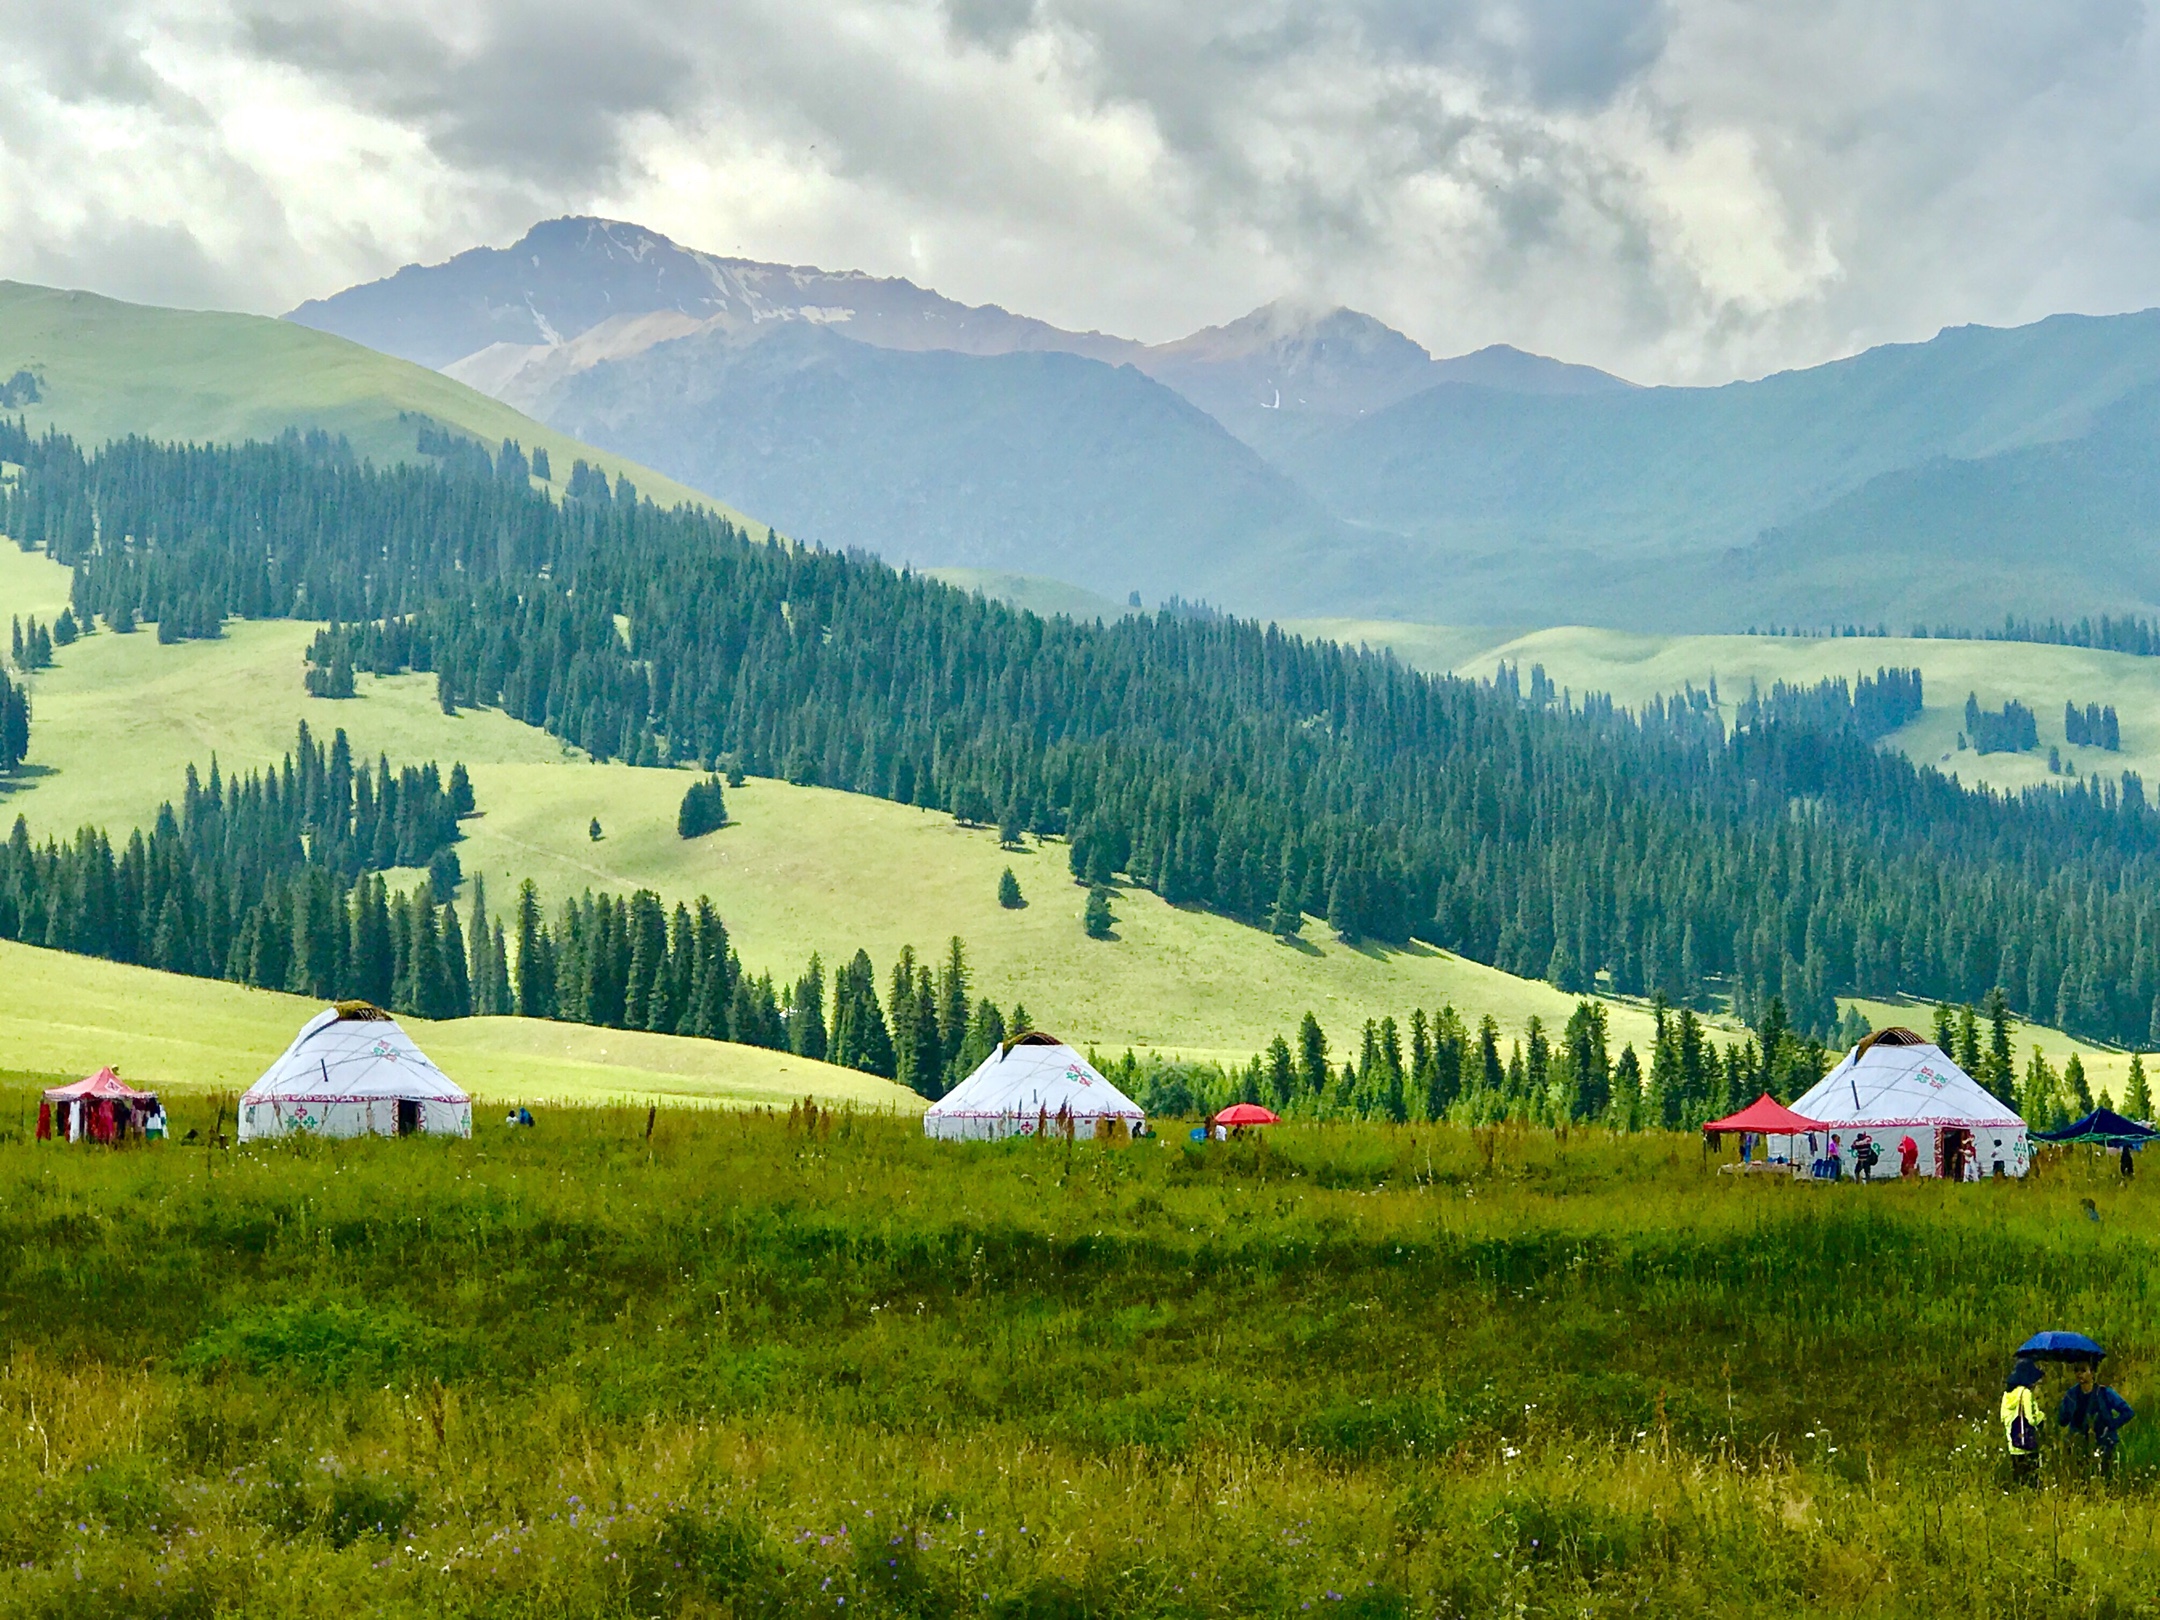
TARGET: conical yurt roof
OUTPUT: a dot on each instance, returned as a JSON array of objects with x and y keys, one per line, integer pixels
[
  {"x": 1034, "y": 1075},
  {"x": 353, "y": 1052},
  {"x": 1896, "y": 1077}
]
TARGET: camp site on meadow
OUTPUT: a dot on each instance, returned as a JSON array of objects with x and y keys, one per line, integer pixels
[{"x": 970, "y": 808}]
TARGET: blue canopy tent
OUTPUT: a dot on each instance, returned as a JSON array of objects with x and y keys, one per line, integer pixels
[{"x": 2104, "y": 1127}]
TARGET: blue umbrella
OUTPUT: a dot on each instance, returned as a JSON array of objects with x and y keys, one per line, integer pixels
[{"x": 2053, "y": 1346}]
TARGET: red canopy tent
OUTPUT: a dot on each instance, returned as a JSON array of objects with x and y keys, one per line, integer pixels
[
  {"x": 1765, "y": 1116},
  {"x": 103, "y": 1108}
]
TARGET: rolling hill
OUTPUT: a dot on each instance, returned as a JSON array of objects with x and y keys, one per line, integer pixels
[
  {"x": 104, "y": 369},
  {"x": 1944, "y": 482},
  {"x": 804, "y": 869},
  {"x": 64, "y": 1015},
  {"x": 1633, "y": 668},
  {"x": 800, "y": 869}
]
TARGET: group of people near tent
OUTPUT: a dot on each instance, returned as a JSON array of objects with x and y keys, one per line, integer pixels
[
  {"x": 103, "y": 1108},
  {"x": 1894, "y": 1087}
]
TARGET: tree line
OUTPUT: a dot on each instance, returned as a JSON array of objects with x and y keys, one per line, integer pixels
[
  {"x": 14, "y": 723},
  {"x": 2094, "y": 726},
  {"x": 1218, "y": 762}
]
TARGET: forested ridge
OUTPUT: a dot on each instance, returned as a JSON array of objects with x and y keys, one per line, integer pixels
[{"x": 1218, "y": 762}]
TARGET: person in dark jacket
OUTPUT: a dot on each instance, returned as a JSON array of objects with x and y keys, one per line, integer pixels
[{"x": 2092, "y": 1409}]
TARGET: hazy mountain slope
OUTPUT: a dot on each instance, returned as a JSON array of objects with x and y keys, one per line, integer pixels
[
  {"x": 105, "y": 369},
  {"x": 566, "y": 276},
  {"x": 2061, "y": 529},
  {"x": 1282, "y": 373},
  {"x": 1023, "y": 463},
  {"x": 1660, "y": 471}
]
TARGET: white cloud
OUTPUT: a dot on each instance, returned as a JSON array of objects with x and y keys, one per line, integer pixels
[{"x": 1678, "y": 189}]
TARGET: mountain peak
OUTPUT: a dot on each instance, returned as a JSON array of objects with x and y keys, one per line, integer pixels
[{"x": 566, "y": 276}]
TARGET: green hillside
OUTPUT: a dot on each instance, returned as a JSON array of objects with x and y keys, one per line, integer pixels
[
  {"x": 799, "y": 870},
  {"x": 67, "y": 1016},
  {"x": 1635, "y": 668},
  {"x": 106, "y": 369}
]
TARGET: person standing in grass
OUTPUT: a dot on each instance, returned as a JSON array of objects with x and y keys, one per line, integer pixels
[
  {"x": 2090, "y": 1408},
  {"x": 1908, "y": 1156},
  {"x": 2021, "y": 1421}
]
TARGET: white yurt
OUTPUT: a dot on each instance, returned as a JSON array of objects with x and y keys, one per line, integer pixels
[
  {"x": 1896, "y": 1084},
  {"x": 1032, "y": 1085},
  {"x": 352, "y": 1072}
]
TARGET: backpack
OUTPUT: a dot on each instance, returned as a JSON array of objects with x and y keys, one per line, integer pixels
[{"x": 2024, "y": 1433}]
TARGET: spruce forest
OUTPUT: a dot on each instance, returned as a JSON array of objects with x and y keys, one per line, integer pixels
[{"x": 1221, "y": 763}]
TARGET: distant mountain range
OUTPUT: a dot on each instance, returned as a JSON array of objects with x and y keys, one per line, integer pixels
[{"x": 1316, "y": 461}]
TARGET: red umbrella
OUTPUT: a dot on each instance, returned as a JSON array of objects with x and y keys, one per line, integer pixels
[{"x": 1246, "y": 1114}]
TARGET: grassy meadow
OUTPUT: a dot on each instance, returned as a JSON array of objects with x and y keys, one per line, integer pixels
[
  {"x": 755, "y": 1366},
  {"x": 66, "y": 1016},
  {"x": 107, "y": 369}
]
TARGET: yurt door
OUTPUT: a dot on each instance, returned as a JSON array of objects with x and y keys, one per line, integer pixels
[
  {"x": 1956, "y": 1147},
  {"x": 408, "y": 1116}
]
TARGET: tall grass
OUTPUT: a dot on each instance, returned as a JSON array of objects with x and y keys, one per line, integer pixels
[{"x": 759, "y": 1366}]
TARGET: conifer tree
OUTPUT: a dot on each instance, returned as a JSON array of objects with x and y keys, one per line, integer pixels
[
  {"x": 2077, "y": 1089},
  {"x": 1967, "y": 1052},
  {"x": 480, "y": 958},
  {"x": 1097, "y": 918},
  {"x": 14, "y": 725},
  {"x": 953, "y": 1008},
  {"x": 1312, "y": 1058},
  {"x": 457, "y": 1000},
  {"x": 1627, "y": 1099},
  {"x": 2001, "y": 1062},
  {"x": 1009, "y": 891},
  {"x": 2137, "y": 1100},
  {"x": 806, "y": 1018},
  {"x": 535, "y": 975}
]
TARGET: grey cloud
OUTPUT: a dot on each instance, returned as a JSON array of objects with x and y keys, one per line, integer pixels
[
  {"x": 135, "y": 260},
  {"x": 998, "y": 24},
  {"x": 542, "y": 93},
  {"x": 1682, "y": 189}
]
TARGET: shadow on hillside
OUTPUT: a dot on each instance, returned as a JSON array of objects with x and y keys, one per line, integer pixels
[
  {"x": 1374, "y": 950},
  {"x": 23, "y": 778}
]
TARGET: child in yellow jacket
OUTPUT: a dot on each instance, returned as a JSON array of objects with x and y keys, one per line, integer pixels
[{"x": 2021, "y": 1419}]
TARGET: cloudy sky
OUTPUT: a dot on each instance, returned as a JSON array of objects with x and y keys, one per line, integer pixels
[{"x": 1680, "y": 191}]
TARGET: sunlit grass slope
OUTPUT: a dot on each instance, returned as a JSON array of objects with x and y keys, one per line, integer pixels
[
  {"x": 70, "y": 1015},
  {"x": 120, "y": 718},
  {"x": 107, "y": 369},
  {"x": 1635, "y": 668}
]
